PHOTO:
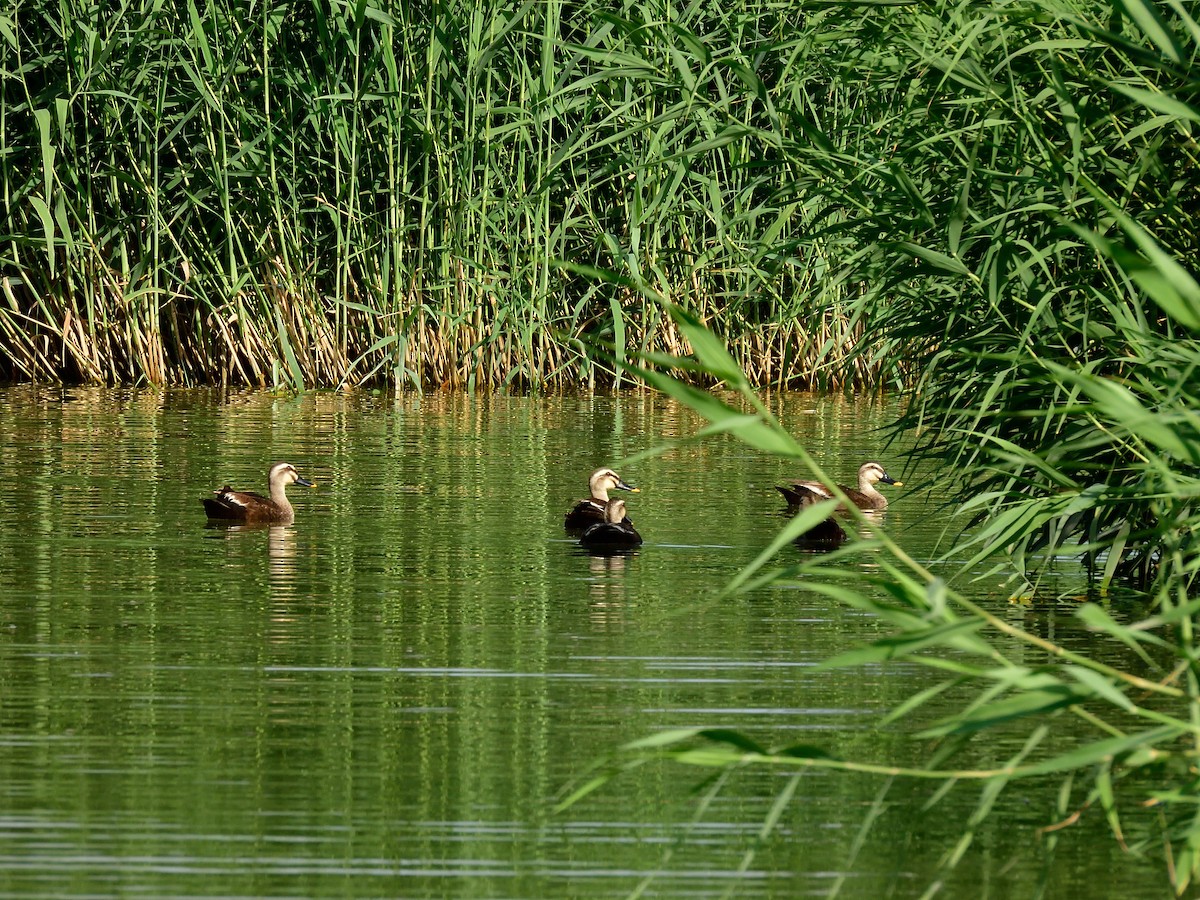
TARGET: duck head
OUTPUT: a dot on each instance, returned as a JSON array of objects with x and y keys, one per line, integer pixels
[
  {"x": 605, "y": 480},
  {"x": 872, "y": 473},
  {"x": 614, "y": 512},
  {"x": 283, "y": 474}
]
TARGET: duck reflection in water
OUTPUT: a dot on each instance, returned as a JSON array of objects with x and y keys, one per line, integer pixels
[
  {"x": 281, "y": 551},
  {"x": 607, "y": 601},
  {"x": 825, "y": 535},
  {"x": 615, "y": 534}
]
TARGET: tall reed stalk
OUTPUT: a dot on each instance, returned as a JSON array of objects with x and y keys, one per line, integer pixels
[{"x": 330, "y": 194}]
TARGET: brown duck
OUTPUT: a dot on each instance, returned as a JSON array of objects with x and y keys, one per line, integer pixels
[
  {"x": 244, "y": 506},
  {"x": 614, "y": 534},
  {"x": 590, "y": 511},
  {"x": 865, "y": 496}
]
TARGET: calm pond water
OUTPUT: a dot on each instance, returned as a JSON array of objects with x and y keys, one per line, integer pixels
[{"x": 386, "y": 698}]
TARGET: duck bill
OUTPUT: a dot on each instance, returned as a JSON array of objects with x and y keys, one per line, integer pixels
[
  {"x": 304, "y": 482},
  {"x": 628, "y": 487}
]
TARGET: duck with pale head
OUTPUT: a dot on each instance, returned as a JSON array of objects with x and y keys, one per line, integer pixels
[
  {"x": 615, "y": 534},
  {"x": 591, "y": 510},
  {"x": 865, "y": 496},
  {"x": 246, "y": 506}
]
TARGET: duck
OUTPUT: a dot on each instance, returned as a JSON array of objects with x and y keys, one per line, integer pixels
[
  {"x": 865, "y": 496},
  {"x": 614, "y": 534},
  {"x": 590, "y": 511},
  {"x": 245, "y": 506}
]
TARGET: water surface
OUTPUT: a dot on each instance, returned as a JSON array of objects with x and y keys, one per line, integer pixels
[{"x": 387, "y": 697}]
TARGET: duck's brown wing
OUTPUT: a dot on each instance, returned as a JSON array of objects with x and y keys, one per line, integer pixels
[
  {"x": 583, "y": 515},
  {"x": 803, "y": 493},
  {"x": 231, "y": 504},
  {"x": 864, "y": 501}
]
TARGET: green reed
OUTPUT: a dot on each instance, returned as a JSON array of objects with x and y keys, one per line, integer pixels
[
  {"x": 990, "y": 203},
  {"x": 317, "y": 194},
  {"x": 1002, "y": 196}
]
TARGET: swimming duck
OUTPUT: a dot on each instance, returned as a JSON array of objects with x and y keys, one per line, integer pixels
[
  {"x": 589, "y": 512},
  {"x": 614, "y": 534},
  {"x": 244, "y": 506},
  {"x": 864, "y": 497}
]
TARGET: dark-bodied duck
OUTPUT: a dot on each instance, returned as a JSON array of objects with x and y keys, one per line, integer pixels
[
  {"x": 865, "y": 496},
  {"x": 614, "y": 534},
  {"x": 244, "y": 506},
  {"x": 589, "y": 512}
]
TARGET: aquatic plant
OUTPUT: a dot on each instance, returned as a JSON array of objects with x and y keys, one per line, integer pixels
[
  {"x": 1019, "y": 213},
  {"x": 316, "y": 194},
  {"x": 1014, "y": 679}
]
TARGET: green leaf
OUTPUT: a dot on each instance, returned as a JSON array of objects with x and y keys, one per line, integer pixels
[
  {"x": 733, "y": 738},
  {"x": 47, "y": 220},
  {"x": 200, "y": 34},
  {"x": 751, "y": 429},
  {"x": 618, "y": 320},
  {"x": 289, "y": 355},
  {"x": 937, "y": 260},
  {"x": 808, "y": 518},
  {"x": 1098, "y": 619},
  {"x": 1154, "y": 26},
  {"x": 49, "y": 153},
  {"x": 916, "y": 700},
  {"x": 713, "y": 757},
  {"x": 1108, "y": 802},
  {"x": 583, "y": 790},
  {"x": 1155, "y": 271},
  {"x": 1100, "y": 685},
  {"x": 663, "y": 739},
  {"x": 1019, "y": 706},
  {"x": 1121, "y": 407},
  {"x": 708, "y": 349},
  {"x": 804, "y": 751},
  {"x": 1100, "y": 751},
  {"x": 1168, "y": 106},
  {"x": 956, "y": 634}
]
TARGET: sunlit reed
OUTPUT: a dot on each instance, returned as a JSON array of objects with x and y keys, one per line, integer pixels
[{"x": 394, "y": 194}]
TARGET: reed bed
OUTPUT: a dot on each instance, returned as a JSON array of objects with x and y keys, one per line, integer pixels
[
  {"x": 392, "y": 194},
  {"x": 1003, "y": 196},
  {"x": 967, "y": 199},
  {"x": 992, "y": 204}
]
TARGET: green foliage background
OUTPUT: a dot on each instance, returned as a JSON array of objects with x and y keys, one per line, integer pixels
[
  {"x": 990, "y": 205},
  {"x": 321, "y": 193}
]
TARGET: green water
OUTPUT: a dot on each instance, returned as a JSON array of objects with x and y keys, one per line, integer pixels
[{"x": 386, "y": 698}]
